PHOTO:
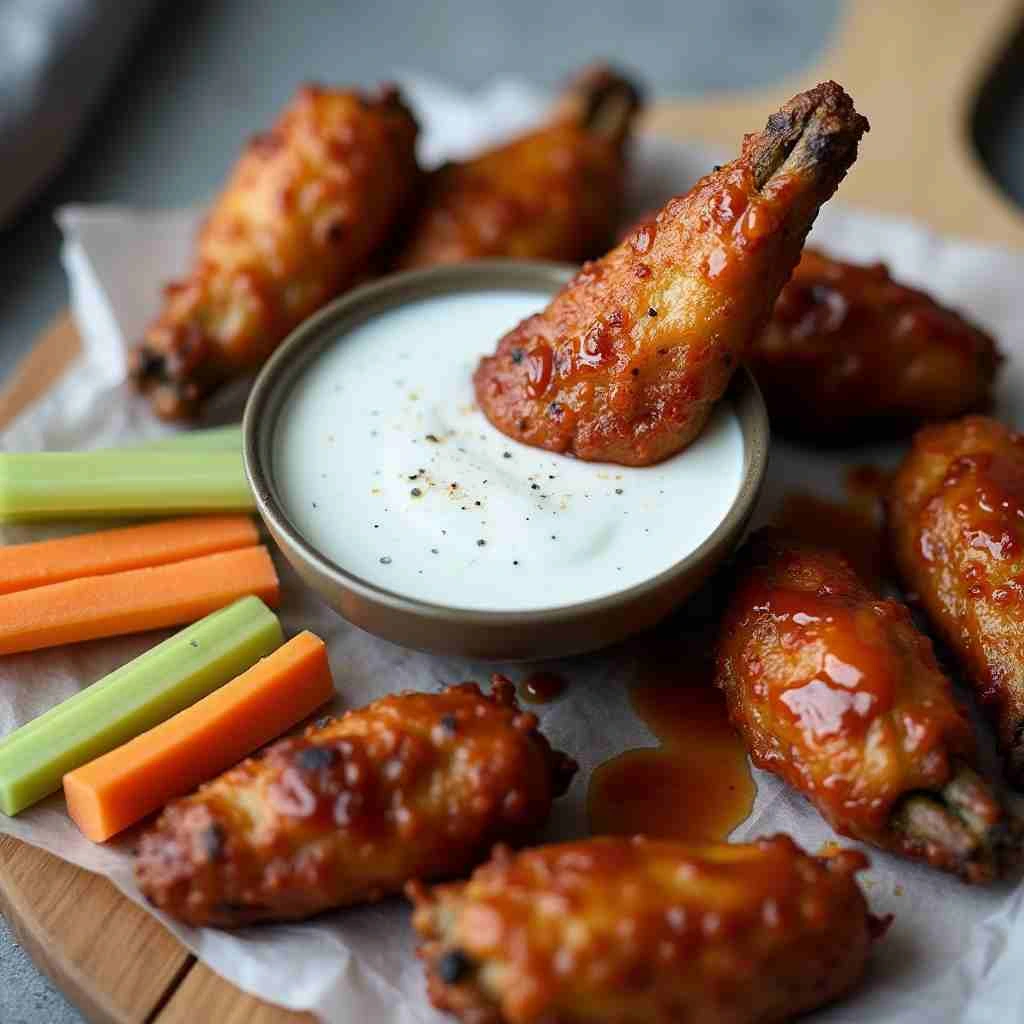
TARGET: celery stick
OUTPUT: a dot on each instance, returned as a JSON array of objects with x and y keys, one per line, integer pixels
[
  {"x": 64, "y": 485},
  {"x": 232, "y": 617},
  {"x": 145, "y": 692},
  {"x": 216, "y": 439}
]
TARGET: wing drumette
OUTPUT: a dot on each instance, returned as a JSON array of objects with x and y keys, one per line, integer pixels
[
  {"x": 415, "y": 785},
  {"x": 553, "y": 194},
  {"x": 836, "y": 691},
  {"x": 307, "y": 207},
  {"x": 956, "y": 530},
  {"x": 627, "y": 361},
  {"x": 850, "y": 352},
  {"x": 635, "y": 931}
]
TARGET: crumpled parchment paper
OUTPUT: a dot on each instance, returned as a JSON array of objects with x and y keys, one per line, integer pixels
[{"x": 953, "y": 954}]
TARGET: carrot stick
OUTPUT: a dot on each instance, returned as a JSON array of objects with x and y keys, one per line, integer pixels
[
  {"x": 23, "y": 566},
  {"x": 137, "y": 696},
  {"x": 133, "y": 601},
  {"x": 116, "y": 790}
]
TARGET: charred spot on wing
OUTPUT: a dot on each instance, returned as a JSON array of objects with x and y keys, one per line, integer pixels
[
  {"x": 453, "y": 966},
  {"x": 213, "y": 838},
  {"x": 826, "y": 146},
  {"x": 603, "y": 100},
  {"x": 146, "y": 366},
  {"x": 780, "y": 122},
  {"x": 314, "y": 759}
]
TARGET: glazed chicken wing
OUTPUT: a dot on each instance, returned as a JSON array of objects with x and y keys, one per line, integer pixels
[
  {"x": 641, "y": 931},
  {"x": 956, "y": 530},
  {"x": 626, "y": 362},
  {"x": 837, "y": 692},
  {"x": 415, "y": 785},
  {"x": 850, "y": 352},
  {"x": 553, "y": 194},
  {"x": 307, "y": 207}
]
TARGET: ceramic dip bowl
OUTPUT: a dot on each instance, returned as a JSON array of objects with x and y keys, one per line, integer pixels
[{"x": 396, "y": 500}]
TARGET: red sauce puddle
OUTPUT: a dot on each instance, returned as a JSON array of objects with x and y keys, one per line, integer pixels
[
  {"x": 697, "y": 785},
  {"x": 542, "y": 687}
]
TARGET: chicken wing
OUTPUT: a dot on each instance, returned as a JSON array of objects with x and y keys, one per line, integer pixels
[
  {"x": 837, "y": 692},
  {"x": 307, "y": 207},
  {"x": 850, "y": 352},
  {"x": 627, "y": 361},
  {"x": 553, "y": 194},
  {"x": 415, "y": 785},
  {"x": 956, "y": 531},
  {"x": 643, "y": 931}
]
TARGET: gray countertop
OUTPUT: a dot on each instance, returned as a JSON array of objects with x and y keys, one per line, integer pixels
[{"x": 207, "y": 75}]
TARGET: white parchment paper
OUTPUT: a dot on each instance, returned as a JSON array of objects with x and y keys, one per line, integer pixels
[{"x": 953, "y": 954}]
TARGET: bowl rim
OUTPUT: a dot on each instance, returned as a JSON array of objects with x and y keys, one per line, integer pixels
[{"x": 315, "y": 334}]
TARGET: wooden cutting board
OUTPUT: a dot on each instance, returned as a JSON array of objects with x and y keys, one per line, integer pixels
[{"x": 915, "y": 68}]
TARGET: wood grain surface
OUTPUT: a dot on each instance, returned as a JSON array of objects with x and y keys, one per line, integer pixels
[{"x": 915, "y": 68}]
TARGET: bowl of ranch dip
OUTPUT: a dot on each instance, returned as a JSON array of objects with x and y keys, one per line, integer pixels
[{"x": 412, "y": 516}]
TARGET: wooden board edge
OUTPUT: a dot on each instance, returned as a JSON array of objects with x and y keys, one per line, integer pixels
[
  {"x": 222, "y": 1002},
  {"x": 41, "y": 368},
  {"x": 38, "y": 893},
  {"x": 933, "y": 75}
]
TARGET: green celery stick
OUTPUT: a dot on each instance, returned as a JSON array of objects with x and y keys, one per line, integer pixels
[
  {"x": 145, "y": 692},
  {"x": 233, "y": 616},
  {"x": 216, "y": 439},
  {"x": 64, "y": 485}
]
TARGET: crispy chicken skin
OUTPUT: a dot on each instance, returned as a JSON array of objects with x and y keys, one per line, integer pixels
[
  {"x": 849, "y": 353},
  {"x": 415, "y": 785},
  {"x": 956, "y": 532},
  {"x": 837, "y": 692},
  {"x": 308, "y": 206},
  {"x": 642, "y": 931},
  {"x": 626, "y": 362},
  {"x": 552, "y": 194}
]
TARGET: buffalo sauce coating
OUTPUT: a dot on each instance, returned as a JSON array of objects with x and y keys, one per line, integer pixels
[
  {"x": 834, "y": 689},
  {"x": 853, "y": 527},
  {"x": 308, "y": 205},
  {"x": 625, "y": 363},
  {"x": 552, "y": 194},
  {"x": 850, "y": 348},
  {"x": 614, "y": 929},
  {"x": 415, "y": 785},
  {"x": 697, "y": 783},
  {"x": 956, "y": 518}
]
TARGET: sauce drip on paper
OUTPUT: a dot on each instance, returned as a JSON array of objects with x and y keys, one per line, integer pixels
[
  {"x": 543, "y": 687},
  {"x": 697, "y": 785}
]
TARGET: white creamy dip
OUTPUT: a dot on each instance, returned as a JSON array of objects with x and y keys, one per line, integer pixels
[{"x": 385, "y": 464}]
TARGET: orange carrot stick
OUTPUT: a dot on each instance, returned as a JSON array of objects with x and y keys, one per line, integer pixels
[
  {"x": 133, "y": 601},
  {"x": 23, "y": 566},
  {"x": 118, "y": 789}
]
